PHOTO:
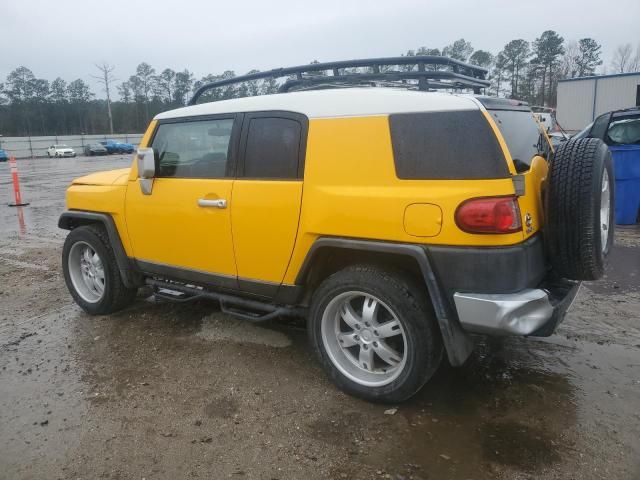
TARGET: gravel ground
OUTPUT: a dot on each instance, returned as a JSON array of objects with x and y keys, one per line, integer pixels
[{"x": 163, "y": 391}]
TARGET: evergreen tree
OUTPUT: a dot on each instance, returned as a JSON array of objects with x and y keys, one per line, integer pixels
[
  {"x": 547, "y": 50},
  {"x": 515, "y": 55},
  {"x": 588, "y": 57},
  {"x": 481, "y": 58},
  {"x": 458, "y": 50}
]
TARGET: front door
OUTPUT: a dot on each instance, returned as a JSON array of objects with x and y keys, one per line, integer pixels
[{"x": 183, "y": 227}]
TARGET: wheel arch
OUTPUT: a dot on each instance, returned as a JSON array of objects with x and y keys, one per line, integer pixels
[
  {"x": 71, "y": 219},
  {"x": 330, "y": 254}
]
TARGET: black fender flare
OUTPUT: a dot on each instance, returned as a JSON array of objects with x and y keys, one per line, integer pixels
[
  {"x": 71, "y": 219},
  {"x": 457, "y": 342}
]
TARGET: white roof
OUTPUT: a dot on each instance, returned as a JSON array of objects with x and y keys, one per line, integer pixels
[{"x": 347, "y": 102}]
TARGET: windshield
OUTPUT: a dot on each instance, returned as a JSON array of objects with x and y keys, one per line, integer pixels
[
  {"x": 523, "y": 135},
  {"x": 60, "y": 146}
]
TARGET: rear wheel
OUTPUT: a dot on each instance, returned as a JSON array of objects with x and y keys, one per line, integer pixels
[
  {"x": 374, "y": 333},
  {"x": 580, "y": 208}
]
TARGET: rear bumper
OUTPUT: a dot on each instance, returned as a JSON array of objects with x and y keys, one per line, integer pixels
[
  {"x": 508, "y": 269},
  {"x": 532, "y": 311}
]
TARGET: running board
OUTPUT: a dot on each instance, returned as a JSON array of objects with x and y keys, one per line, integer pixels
[{"x": 250, "y": 310}]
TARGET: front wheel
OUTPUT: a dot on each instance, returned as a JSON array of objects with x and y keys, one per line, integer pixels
[
  {"x": 91, "y": 272},
  {"x": 374, "y": 333}
]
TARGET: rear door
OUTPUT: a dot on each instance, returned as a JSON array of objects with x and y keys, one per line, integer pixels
[{"x": 267, "y": 193}]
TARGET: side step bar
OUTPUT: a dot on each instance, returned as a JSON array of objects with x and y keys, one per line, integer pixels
[{"x": 250, "y": 310}]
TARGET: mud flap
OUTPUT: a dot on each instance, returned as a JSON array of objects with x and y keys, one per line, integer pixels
[{"x": 457, "y": 342}]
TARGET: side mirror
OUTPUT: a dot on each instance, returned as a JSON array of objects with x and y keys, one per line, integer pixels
[
  {"x": 146, "y": 163},
  {"x": 146, "y": 169}
]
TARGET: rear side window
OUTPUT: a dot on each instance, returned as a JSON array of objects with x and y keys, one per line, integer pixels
[
  {"x": 445, "y": 145},
  {"x": 272, "y": 148}
]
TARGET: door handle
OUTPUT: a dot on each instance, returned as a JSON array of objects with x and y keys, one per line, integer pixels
[{"x": 219, "y": 203}]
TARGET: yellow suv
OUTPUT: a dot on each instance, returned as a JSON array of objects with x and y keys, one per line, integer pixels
[{"x": 397, "y": 221}]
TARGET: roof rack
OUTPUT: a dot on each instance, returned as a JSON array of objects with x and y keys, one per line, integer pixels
[{"x": 420, "y": 72}]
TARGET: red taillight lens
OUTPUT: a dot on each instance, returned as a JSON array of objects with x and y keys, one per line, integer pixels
[{"x": 489, "y": 215}]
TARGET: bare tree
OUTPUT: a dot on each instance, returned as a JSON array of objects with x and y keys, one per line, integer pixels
[
  {"x": 634, "y": 63},
  {"x": 106, "y": 79},
  {"x": 569, "y": 61},
  {"x": 622, "y": 59}
]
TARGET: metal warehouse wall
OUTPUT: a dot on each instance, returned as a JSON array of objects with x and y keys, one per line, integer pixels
[
  {"x": 616, "y": 92},
  {"x": 24, "y": 147},
  {"x": 580, "y": 100},
  {"x": 575, "y": 104}
]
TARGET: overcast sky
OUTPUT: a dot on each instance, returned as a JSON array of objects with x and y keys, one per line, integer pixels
[{"x": 66, "y": 37}]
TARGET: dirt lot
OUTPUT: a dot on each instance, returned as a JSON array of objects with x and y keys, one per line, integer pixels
[{"x": 166, "y": 391}]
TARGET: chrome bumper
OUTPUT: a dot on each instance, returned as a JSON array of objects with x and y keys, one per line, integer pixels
[{"x": 522, "y": 313}]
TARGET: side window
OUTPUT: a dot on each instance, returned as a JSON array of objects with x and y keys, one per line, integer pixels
[
  {"x": 599, "y": 127},
  {"x": 272, "y": 148},
  {"x": 447, "y": 145},
  {"x": 193, "y": 149}
]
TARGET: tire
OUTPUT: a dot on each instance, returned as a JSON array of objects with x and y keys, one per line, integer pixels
[
  {"x": 417, "y": 348},
  {"x": 92, "y": 299},
  {"x": 579, "y": 208}
]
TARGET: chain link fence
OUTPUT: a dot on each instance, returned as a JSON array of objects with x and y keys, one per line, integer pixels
[{"x": 31, "y": 147}]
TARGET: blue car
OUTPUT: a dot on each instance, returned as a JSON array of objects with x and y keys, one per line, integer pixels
[
  {"x": 117, "y": 147},
  {"x": 3, "y": 156}
]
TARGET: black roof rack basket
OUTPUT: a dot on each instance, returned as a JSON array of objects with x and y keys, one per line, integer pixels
[{"x": 420, "y": 72}]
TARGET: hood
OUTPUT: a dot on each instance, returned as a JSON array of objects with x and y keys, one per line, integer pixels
[{"x": 110, "y": 177}]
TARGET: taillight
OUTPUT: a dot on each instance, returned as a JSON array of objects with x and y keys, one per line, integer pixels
[{"x": 489, "y": 215}]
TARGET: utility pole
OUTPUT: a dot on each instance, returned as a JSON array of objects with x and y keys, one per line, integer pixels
[{"x": 106, "y": 78}]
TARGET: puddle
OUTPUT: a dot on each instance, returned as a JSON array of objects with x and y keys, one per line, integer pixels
[
  {"x": 505, "y": 409},
  {"x": 622, "y": 272},
  {"x": 221, "y": 327},
  {"x": 41, "y": 394},
  {"x": 518, "y": 445}
]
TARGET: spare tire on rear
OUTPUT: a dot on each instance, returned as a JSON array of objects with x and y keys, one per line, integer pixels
[{"x": 579, "y": 208}]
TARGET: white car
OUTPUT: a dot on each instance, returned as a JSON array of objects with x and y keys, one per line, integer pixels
[{"x": 60, "y": 151}]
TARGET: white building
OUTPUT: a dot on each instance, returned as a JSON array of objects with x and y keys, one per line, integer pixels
[{"x": 581, "y": 100}]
